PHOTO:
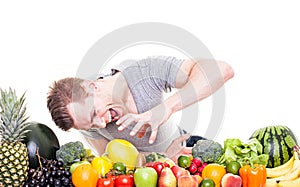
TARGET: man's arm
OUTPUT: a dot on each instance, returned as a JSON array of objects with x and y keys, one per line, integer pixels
[{"x": 195, "y": 81}]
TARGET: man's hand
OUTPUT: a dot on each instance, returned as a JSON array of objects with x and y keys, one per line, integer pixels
[
  {"x": 176, "y": 149},
  {"x": 152, "y": 118}
]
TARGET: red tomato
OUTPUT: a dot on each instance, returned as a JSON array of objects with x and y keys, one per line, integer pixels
[
  {"x": 105, "y": 182},
  {"x": 124, "y": 181}
]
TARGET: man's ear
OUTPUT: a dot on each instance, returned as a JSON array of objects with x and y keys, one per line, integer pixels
[{"x": 91, "y": 86}]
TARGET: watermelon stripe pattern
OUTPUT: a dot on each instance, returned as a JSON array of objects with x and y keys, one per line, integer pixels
[{"x": 277, "y": 141}]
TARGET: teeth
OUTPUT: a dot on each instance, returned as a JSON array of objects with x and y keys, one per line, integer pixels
[{"x": 109, "y": 117}]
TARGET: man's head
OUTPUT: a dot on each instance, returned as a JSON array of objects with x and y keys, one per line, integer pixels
[
  {"x": 83, "y": 104},
  {"x": 61, "y": 94}
]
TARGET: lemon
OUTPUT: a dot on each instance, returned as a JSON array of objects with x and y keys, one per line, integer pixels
[{"x": 119, "y": 150}]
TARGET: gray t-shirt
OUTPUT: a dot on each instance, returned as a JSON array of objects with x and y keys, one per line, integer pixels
[{"x": 147, "y": 80}]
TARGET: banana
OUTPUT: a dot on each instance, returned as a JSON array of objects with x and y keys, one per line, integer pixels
[
  {"x": 271, "y": 183},
  {"x": 290, "y": 178},
  {"x": 289, "y": 183},
  {"x": 283, "y": 183},
  {"x": 281, "y": 170},
  {"x": 292, "y": 174}
]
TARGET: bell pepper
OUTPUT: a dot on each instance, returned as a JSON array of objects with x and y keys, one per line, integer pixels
[
  {"x": 102, "y": 164},
  {"x": 255, "y": 176}
]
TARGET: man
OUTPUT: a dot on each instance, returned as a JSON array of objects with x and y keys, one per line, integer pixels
[{"x": 129, "y": 103}]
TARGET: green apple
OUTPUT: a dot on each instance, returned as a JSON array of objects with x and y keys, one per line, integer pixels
[
  {"x": 145, "y": 176},
  {"x": 76, "y": 164}
]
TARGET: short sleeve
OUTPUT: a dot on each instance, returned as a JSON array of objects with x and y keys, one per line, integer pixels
[{"x": 165, "y": 68}]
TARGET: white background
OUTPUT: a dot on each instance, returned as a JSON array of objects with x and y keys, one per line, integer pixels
[{"x": 44, "y": 41}]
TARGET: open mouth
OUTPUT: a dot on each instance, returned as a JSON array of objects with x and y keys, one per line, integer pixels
[{"x": 114, "y": 115}]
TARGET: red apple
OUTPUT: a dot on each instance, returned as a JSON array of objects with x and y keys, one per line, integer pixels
[
  {"x": 231, "y": 180},
  {"x": 158, "y": 166},
  {"x": 187, "y": 181},
  {"x": 167, "y": 178},
  {"x": 179, "y": 171}
]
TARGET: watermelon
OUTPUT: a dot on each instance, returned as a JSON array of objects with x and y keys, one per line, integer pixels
[
  {"x": 278, "y": 141},
  {"x": 42, "y": 140}
]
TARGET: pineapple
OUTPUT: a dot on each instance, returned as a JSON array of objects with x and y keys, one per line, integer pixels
[{"x": 13, "y": 153}]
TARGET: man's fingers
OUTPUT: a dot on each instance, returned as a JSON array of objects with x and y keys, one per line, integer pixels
[
  {"x": 136, "y": 128},
  {"x": 187, "y": 150},
  {"x": 182, "y": 138},
  {"x": 153, "y": 135},
  {"x": 126, "y": 123},
  {"x": 122, "y": 119}
]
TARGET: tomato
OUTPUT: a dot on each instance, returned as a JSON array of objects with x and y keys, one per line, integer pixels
[
  {"x": 105, "y": 182},
  {"x": 124, "y": 181}
]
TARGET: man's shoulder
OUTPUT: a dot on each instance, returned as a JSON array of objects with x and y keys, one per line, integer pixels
[{"x": 125, "y": 64}]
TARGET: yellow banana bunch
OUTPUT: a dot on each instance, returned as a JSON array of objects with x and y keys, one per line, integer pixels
[
  {"x": 288, "y": 177},
  {"x": 282, "y": 169}
]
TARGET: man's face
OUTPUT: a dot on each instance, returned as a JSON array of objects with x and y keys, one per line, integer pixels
[{"x": 94, "y": 112}]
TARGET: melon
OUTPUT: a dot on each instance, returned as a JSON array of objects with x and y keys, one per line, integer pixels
[
  {"x": 40, "y": 141},
  {"x": 278, "y": 141},
  {"x": 120, "y": 150}
]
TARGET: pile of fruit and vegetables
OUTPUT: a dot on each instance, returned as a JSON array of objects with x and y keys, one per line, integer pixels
[{"x": 30, "y": 155}]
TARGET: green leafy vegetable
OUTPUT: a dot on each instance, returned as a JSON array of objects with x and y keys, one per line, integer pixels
[{"x": 249, "y": 152}]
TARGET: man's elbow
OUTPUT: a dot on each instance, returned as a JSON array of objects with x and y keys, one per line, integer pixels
[{"x": 226, "y": 70}]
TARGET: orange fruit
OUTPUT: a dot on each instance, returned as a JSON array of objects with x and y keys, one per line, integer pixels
[
  {"x": 215, "y": 172},
  {"x": 85, "y": 176}
]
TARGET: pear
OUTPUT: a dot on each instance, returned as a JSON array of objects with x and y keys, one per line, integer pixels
[{"x": 167, "y": 178}]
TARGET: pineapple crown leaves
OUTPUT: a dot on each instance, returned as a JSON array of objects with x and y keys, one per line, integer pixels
[{"x": 13, "y": 116}]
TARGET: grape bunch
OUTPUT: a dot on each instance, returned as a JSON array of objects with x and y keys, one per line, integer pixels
[
  {"x": 50, "y": 174},
  {"x": 196, "y": 166}
]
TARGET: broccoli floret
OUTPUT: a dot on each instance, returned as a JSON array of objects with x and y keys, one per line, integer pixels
[
  {"x": 71, "y": 152},
  {"x": 207, "y": 150}
]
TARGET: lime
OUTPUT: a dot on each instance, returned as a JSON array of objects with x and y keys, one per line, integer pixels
[
  {"x": 207, "y": 182},
  {"x": 184, "y": 161},
  {"x": 233, "y": 167}
]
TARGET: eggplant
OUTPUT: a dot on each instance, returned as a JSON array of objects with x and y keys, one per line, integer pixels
[{"x": 41, "y": 142}]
